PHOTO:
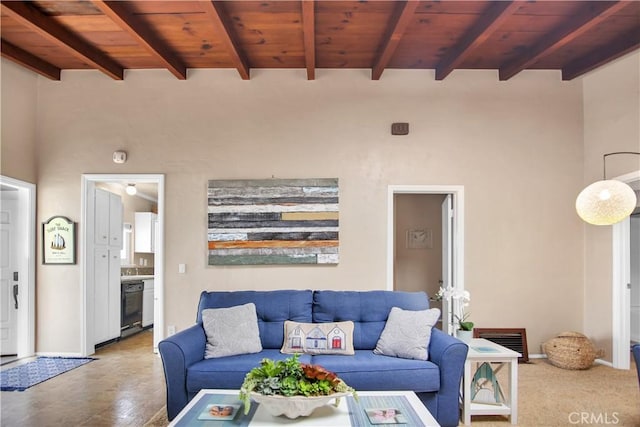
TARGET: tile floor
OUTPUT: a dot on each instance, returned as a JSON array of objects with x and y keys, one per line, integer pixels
[{"x": 124, "y": 387}]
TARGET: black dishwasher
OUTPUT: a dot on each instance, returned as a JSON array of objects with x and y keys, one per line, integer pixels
[{"x": 131, "y": 313}]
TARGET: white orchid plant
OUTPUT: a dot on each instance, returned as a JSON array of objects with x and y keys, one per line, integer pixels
[{"x": 463, "y": 298}]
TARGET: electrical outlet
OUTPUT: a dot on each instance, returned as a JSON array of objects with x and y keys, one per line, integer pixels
[{"x": 171, "y": 330}]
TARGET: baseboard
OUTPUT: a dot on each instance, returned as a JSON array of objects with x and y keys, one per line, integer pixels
[
  {"x": 538, "y": 356},
  {"x": 603, "y": 362},
  {"x": 598, "y": 361},
  {"x": 48, "y": 354}
]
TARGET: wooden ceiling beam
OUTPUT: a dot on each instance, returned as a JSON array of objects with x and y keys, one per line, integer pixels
[
  {"x": 309, "y": 33},
  {"x": 29, "y": 61},
  {"x": 48, "y": 28},
  {"x": 596, "y": 58},
  {"x": 223, "y": 26},
  {"x": 398, "y": 25},
  {"x": 593, "y": 15},
  {"x": 142, "y": 34},
  {"x": 486, "y": 25}
]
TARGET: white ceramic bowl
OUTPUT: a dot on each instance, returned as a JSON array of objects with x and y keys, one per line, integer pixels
[{"x": 293, "y": 406}]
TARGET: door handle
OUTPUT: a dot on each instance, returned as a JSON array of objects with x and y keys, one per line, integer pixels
[{"x": 15, "y": 295}]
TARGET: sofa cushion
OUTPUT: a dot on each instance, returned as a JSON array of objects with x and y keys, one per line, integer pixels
[
  {"x": 407, "y": 333},
  {"x": 368, "y": 371},
  {"x": 368, "y": 310},
  {"x": 318, "y": 338},
  {"x": 231, "y": 331},
  {"x": 229, "y": 372},
  {"x": 272, "y": 309}
]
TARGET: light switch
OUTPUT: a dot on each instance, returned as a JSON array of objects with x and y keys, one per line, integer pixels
[{"x": 182, "y": 268}]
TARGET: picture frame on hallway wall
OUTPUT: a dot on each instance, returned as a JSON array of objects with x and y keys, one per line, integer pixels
[
  {"x": 273, "y": 221},
  {"x": 58, "y": 241}
]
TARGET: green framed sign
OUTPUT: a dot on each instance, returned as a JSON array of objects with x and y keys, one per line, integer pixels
[{"x": 58, "y": 241}]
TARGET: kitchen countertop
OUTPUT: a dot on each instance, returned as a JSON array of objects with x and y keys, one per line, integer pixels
[{"x": 138, "y": 277}]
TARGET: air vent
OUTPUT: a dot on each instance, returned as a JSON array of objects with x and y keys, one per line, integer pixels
[{"x": 511, "y": 338}]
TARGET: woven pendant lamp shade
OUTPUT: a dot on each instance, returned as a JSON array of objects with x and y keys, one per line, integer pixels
[{"x": 606, "y": 202}]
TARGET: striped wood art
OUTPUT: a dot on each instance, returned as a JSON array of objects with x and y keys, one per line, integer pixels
[{"x": 273, "y": 221}]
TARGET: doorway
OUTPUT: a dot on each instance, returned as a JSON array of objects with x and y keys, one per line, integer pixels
[
  {"x": 415, "y": 238},
  {"x": 621, "y": 283},
  {"x": 418, "y": 259},
  {"x": 18, "y": 227},
  {"x": 89, "y": 184}
]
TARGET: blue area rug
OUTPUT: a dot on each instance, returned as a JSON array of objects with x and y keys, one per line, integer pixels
[{"x": 24, "y": 376}]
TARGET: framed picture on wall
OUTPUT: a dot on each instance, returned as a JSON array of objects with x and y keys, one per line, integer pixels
[
  {"x": 58, "y": 241},
  {"x": 420, "y": 239}
]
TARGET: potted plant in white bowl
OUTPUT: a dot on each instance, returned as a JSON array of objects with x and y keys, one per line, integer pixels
[{"x": 290, "y": 388}]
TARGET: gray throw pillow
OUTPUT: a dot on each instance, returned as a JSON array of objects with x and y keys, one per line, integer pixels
[
  {"x": 407, "y": 333},
  {"x": 231, "y": 331}
]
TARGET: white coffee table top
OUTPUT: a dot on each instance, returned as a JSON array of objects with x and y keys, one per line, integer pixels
[{"x": 328, "y": 415}]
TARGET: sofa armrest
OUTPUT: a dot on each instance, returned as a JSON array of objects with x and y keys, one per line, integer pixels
[
  {"x": 178, "y": 352},
  {"x": 449, "y": 354}
]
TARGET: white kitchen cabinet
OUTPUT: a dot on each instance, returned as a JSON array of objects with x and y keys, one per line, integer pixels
[
  {"x": 107, "y": 294},
  {"x": 115, "y": 221},
  {"x": 107, "y": 229},
  {"x": 101, "y": 229},
  {"x": 147, "y": 302},
  {"x": 145, "y": 232},
  {"x": 101, "y": 295},
  {"x": 108, "y": 219}
]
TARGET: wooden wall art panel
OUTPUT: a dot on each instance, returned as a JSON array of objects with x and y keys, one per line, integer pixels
[{"x": 273, "y": 221}]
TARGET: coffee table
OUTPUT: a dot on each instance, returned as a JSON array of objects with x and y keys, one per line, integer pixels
[{"x": 348, "y": 413}]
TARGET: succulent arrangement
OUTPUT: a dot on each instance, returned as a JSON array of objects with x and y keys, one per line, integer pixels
[{"x": 289, "y": 378}]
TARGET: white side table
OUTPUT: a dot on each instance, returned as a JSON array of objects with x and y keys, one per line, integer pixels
[{"x": 482, "y": 350}]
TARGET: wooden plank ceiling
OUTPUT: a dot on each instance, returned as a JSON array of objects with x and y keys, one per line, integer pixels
[{"x": 508, "y": 36}]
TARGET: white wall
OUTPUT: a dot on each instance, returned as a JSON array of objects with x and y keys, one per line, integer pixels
[
  {"x": 516, "y": 146},
  {"x": 18, "y": 122},
  {"x": 611, "y": 123}
]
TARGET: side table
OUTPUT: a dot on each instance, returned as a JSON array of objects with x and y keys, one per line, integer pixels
[{"x": 482, "y": 350}]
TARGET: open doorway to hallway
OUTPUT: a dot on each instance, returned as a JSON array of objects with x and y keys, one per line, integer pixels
[
  {"x": 418, "y": 245},
  {"x": 625, "y": 288},
  {"x": 425, "y": 219}
]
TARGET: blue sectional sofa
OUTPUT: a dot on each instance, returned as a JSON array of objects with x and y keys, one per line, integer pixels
[{"x": 436, "y": 381}]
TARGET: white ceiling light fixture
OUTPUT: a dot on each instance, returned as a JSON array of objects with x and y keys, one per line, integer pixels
[
  {"x": 131, "y": 189},
  {"x": 608, "y": 201}
]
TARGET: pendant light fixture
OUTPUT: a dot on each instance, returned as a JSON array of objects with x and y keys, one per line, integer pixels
[{"x": 608, "y": 201}]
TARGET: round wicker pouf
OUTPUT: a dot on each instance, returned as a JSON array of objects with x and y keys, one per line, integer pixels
[{"x": 570, "y": 350}]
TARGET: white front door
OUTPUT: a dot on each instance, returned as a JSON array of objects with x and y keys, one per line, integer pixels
[{"x": 9, "y": 273}]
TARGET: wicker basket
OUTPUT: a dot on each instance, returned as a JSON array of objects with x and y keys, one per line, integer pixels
[{"x": 570, "y": 350}]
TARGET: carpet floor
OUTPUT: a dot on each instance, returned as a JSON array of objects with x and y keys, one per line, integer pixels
[{"x": 554, "y": 397}]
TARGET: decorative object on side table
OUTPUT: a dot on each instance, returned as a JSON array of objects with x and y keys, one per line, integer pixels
[
  {"x": 465, "y": 327},
  {"x": 290, "y": 388}
]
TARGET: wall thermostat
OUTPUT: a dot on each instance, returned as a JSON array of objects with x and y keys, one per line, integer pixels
[{"x": 119, "y": 156}]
